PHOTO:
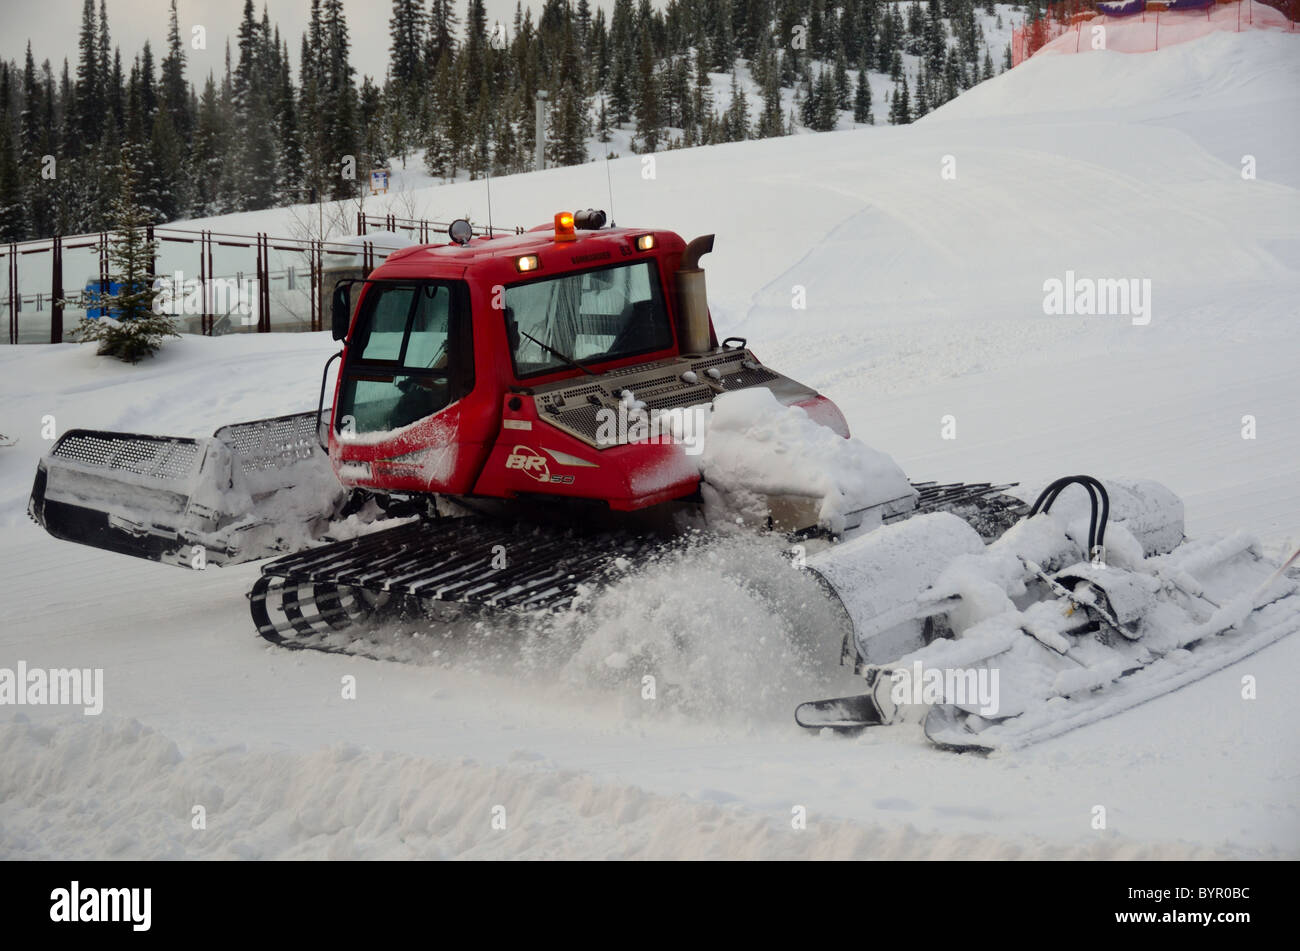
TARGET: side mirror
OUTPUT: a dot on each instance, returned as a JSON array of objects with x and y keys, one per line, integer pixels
[{"x": 340, "y": 311}]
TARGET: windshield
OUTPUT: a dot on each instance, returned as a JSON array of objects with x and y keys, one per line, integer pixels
[
  {"x": 410, "y": 358},
  {"x": 590, "y": 316}
]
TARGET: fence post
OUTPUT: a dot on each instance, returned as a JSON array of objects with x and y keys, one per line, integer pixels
[
  {"x": 13, "y": 286},
  {"x": 361, "y": 223},
  {"x": 205, "y": 259},
  {"x": 318, "y": 283},
  {"x": 314, "y": 301},
  {"x": 56, "y": 290},
  {"x": 265, "y": 285},
  {"x": 263, "y": 279},
  {"x": 203, "y": 285}
]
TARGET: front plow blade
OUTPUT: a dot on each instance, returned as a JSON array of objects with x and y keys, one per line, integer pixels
[{"x": 249, "y": 491}]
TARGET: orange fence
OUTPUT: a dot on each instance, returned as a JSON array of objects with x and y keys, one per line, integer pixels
[{"x": 1143, "y": 26}]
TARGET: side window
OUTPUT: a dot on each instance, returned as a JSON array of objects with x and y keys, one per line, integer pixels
[
  {"x": 387, "y": 325},
  {"x": 427, "y": 348},
  {"x": 418, "y": 339}
]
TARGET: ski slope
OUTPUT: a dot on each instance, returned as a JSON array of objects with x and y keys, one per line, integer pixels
[{"x": 924, "y": 300}]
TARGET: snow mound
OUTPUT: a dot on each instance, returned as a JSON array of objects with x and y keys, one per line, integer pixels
[
  {"x": 117, "y": 789},
  {"x": 1211, "y": 70}
]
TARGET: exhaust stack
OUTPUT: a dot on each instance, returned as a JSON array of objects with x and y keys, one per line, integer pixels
[{"x": 692, "y": 300}]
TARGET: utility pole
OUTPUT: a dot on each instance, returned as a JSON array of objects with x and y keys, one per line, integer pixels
[{"x": 541, "y": 129}]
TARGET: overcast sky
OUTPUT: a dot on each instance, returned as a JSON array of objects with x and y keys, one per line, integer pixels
[{"x": 52, "y": 27}]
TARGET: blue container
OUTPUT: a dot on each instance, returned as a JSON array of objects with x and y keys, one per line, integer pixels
[{"x": 98, "y": 296}]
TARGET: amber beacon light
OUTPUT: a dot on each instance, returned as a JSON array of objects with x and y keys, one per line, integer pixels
[{"x": 564, "y": 227}]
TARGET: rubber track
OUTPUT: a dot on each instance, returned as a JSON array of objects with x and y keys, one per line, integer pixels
[{"x": 480, "y": 561}]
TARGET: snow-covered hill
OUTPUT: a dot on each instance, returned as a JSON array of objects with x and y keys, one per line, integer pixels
[{"x": 924, "y": 299}]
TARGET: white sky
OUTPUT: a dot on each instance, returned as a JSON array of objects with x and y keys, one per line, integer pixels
[{"x": 53, "y": 25}]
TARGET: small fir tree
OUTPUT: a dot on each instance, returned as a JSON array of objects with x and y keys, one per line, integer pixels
[{"x": 130, "y": 326}]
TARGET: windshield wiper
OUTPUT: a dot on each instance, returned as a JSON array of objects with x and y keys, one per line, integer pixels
[{"x": 565, "y": 357}]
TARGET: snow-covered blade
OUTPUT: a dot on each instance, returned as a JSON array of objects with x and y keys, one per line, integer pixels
[
  {"x": 1044, "y": 630},
  {"x": 249, "y": 491}
]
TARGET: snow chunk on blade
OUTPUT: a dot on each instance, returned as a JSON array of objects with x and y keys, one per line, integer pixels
[{"x": 755, "y": 446}]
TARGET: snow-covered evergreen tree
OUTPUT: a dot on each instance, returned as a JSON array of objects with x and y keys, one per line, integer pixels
[{"x": 134, "y": 327}]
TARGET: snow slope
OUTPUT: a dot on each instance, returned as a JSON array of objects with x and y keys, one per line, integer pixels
[{"x": 923, "y": 300}]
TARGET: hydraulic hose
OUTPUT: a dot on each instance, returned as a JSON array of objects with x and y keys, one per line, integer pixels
[{"x": 1100, "y": 510}]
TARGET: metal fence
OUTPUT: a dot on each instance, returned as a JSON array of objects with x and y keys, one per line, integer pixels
[
  {"x": 419, "y": 229},
  {"x": 212, "y": 282}
]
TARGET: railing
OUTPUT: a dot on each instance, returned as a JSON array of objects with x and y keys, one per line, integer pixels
[
  {"x": 213, "y": 282},
  {"x": 419, "y": 229}
]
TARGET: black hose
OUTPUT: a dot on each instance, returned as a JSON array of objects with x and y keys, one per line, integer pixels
[
  {"x": 320, "y": 403},
  {"x": 1098, "y": 519}
]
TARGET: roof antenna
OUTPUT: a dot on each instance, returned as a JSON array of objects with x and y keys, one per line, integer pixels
[
  {"x": 489, "y": 194},
  {"x": 610, "y": 184}
]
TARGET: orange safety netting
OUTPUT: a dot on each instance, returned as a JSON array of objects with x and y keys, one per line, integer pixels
[{"x": 1141, "y": 26}]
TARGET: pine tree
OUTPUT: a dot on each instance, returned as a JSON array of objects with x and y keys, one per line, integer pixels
[
  {"x": 722, "y": 41},
  {"x": 623, "y": 65},
  {"x": 649, "y": 119},
  {"x": 258, "y": 147},
  {"x": 770, "y": 122},
  {"x": 36, "y": 124},
  {"x": 85, "y": 131},
  {"x": 406, "y": 29},
  {"x": 900, "y": 112},
  {"x": 173, "y": 90},
  {"x": 133, "y": 329},
  {"x": 338, "y": 102},
  {"x": 736, "y": 122},
  {"x": 13, "y": 214},
  {"x": 115, "y": 96},
  {"x": 826, "y": 113},
  {"x": 438, "y": 148},
  {"x": 475, "y": 52},
  {"x": 922, "y": 99},
  {"x": 442, "y": 32},
  {"x": 843, "y": 89},
  {"x": 289, "y": 165},
  {"x": 602, "y": 123},
  {"x": 373, "y": 144},
  {"x": 862, "y": 100}
]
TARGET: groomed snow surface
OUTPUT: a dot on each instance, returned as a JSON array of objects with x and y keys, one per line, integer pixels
[{"x": 924, "y": 301}]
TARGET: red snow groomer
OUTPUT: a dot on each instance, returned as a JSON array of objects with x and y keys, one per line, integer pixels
[{"x": 516, "y": 420}]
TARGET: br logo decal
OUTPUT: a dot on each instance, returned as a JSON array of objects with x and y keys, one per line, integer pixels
[{"x": 533, "y": 464}]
